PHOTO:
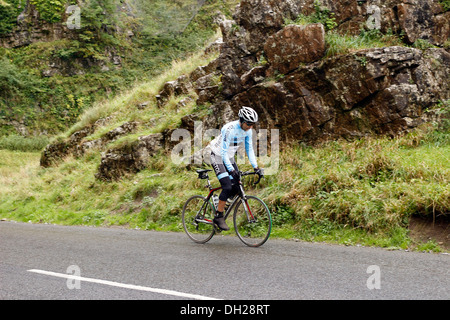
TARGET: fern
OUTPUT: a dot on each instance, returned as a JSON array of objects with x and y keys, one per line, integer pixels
[
  {"x": 49, "y": 10},
  {"x": 445, "y": 4}
]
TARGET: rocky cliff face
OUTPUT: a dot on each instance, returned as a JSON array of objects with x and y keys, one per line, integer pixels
[
  {"x": 282, "y": 72},
  {"x": 383, "y": 91},
  {"x": 255, "y": 20},
  {"x": 309, "y": 97},
  {"x": 31, "y": 28}
]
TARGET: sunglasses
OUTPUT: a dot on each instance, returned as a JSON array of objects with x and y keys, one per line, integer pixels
[{"x": 250, "y": 123}]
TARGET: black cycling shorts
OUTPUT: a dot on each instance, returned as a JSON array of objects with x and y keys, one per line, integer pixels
[{"x": 229, "y": 189}]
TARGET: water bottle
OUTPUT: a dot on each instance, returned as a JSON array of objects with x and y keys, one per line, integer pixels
[{"x": 215, "y": 199}]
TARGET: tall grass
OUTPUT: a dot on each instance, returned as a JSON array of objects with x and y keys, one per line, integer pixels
[
  {"x": 123, "y": 107},
  {"x": 351, "y": 192},
  {"x": 371, "y": 186},
  {"x": 361, "y": 191},
  {"x": 25, "y": 144},
  {"x": 70, "y": 194},
  {"x": 342, "y": 44}
]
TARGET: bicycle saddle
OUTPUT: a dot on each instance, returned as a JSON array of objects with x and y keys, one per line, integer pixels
[
  {"x": 203, "y": 173},
  {"x": 203, "y": 170}
]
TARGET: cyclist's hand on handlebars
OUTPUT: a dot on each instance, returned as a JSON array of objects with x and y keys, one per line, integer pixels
[{"x": 259, "y": 172}]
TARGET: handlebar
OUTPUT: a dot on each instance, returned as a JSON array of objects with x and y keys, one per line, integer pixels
[{"x": 247, "y": 173}]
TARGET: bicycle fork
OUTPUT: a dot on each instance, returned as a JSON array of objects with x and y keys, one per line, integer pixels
[{"x": 247, "y": 210}]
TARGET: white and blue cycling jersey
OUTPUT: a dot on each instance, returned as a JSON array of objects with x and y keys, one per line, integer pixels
[{"x": 228, "y": 142}]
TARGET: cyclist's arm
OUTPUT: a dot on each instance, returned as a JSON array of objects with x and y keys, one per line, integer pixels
[
  {"x": 226, "y": 139},
  {"x": 250, "y": 151}
]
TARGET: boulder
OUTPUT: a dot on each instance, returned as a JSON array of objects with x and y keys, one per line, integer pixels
[
  {"x": 423, "y": 20},
  {"x": 182, "y": 85},
  {"x": 76, "y": 145},
  {"x": 58, "y": 150},
  {"x": 293, "y": 45},
  {"x": 130, "y": 158},
  {"x": 110, "y": 136},
  {"x": 262, "y": 18}
]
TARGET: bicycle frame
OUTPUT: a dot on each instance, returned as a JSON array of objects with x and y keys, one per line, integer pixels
[
  {"x": 240, "y": 196},
  {"x": 208, "y": 197},
  {"x": 243, "y": 218}
]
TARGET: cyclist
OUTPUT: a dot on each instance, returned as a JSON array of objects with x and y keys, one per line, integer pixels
[{"x": 223, "y": 150}]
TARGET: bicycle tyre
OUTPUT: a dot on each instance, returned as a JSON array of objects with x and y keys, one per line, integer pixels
[
  {"x": 198, "y": 232},
  {"x": 252, "y": 233}
]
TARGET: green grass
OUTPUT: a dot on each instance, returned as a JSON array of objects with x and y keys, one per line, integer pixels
[
  {"x": 50, "y": 105},
  {"x": 364, "y": 189},
  {"x": 348, "y": 192},
  {"x": 25, "y": 144},
  {"x": 337, "y": 44},
  {"x": 124, "y": 107},
  {"x": 70, "y": 194},
  {"x": 445, "y": 4},
  {"x": 361, "y": 192}
]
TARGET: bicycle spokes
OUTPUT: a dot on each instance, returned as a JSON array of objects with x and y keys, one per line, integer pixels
[
  {"x": 252, "y": 221},
  {"x": 197, "y": 219}
]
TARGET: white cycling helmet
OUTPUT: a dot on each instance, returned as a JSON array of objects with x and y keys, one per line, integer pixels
[{"x": 247, "y": 114}]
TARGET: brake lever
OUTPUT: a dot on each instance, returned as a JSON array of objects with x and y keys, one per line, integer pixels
[
  {"x": 259, "y": 179},
  {"x": 242, "y": 174}
]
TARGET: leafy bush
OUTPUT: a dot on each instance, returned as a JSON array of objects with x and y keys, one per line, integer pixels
[
  {"x": 321, "y": 15},
  {"x": 49, "y": 10},
  {"x": 445, "y": 4},
  {"x": 9, "y": 11}
]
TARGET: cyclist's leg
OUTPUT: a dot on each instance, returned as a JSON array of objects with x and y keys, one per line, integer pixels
[
  {"x": 229, "y": 187},
  {"x": 225, "y": 181}
]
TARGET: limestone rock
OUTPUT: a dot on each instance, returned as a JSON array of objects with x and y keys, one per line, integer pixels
[
  {"x": 293, "y": 45},
  {"x": 182, "y": 85},
  {"x": 372, "y": 91},
  {"x": 130, "y": 158}
]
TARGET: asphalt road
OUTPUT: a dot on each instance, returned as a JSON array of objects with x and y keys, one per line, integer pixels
[{"x": 59, "y": 262}]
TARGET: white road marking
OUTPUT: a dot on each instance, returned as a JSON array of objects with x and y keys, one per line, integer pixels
[{"x": 123, "y": 285}]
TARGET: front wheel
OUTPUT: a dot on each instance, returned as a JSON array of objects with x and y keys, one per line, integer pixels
[
  {"x": 197, "y": 217},
  {"x": 252, "y": 221}
]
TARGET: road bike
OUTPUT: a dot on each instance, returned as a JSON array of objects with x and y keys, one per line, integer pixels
[{"x": 251, "y": 216}]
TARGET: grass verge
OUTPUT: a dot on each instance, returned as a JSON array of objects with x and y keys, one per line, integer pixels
[{"x": 356, "y": 193}]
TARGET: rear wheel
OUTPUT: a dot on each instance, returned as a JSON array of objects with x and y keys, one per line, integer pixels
[
  {"x": 197, "y": 217},
  {"x": 252, "y": 221}
]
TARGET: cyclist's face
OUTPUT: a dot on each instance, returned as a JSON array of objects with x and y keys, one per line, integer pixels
[{"x": 246, "y": 126}]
